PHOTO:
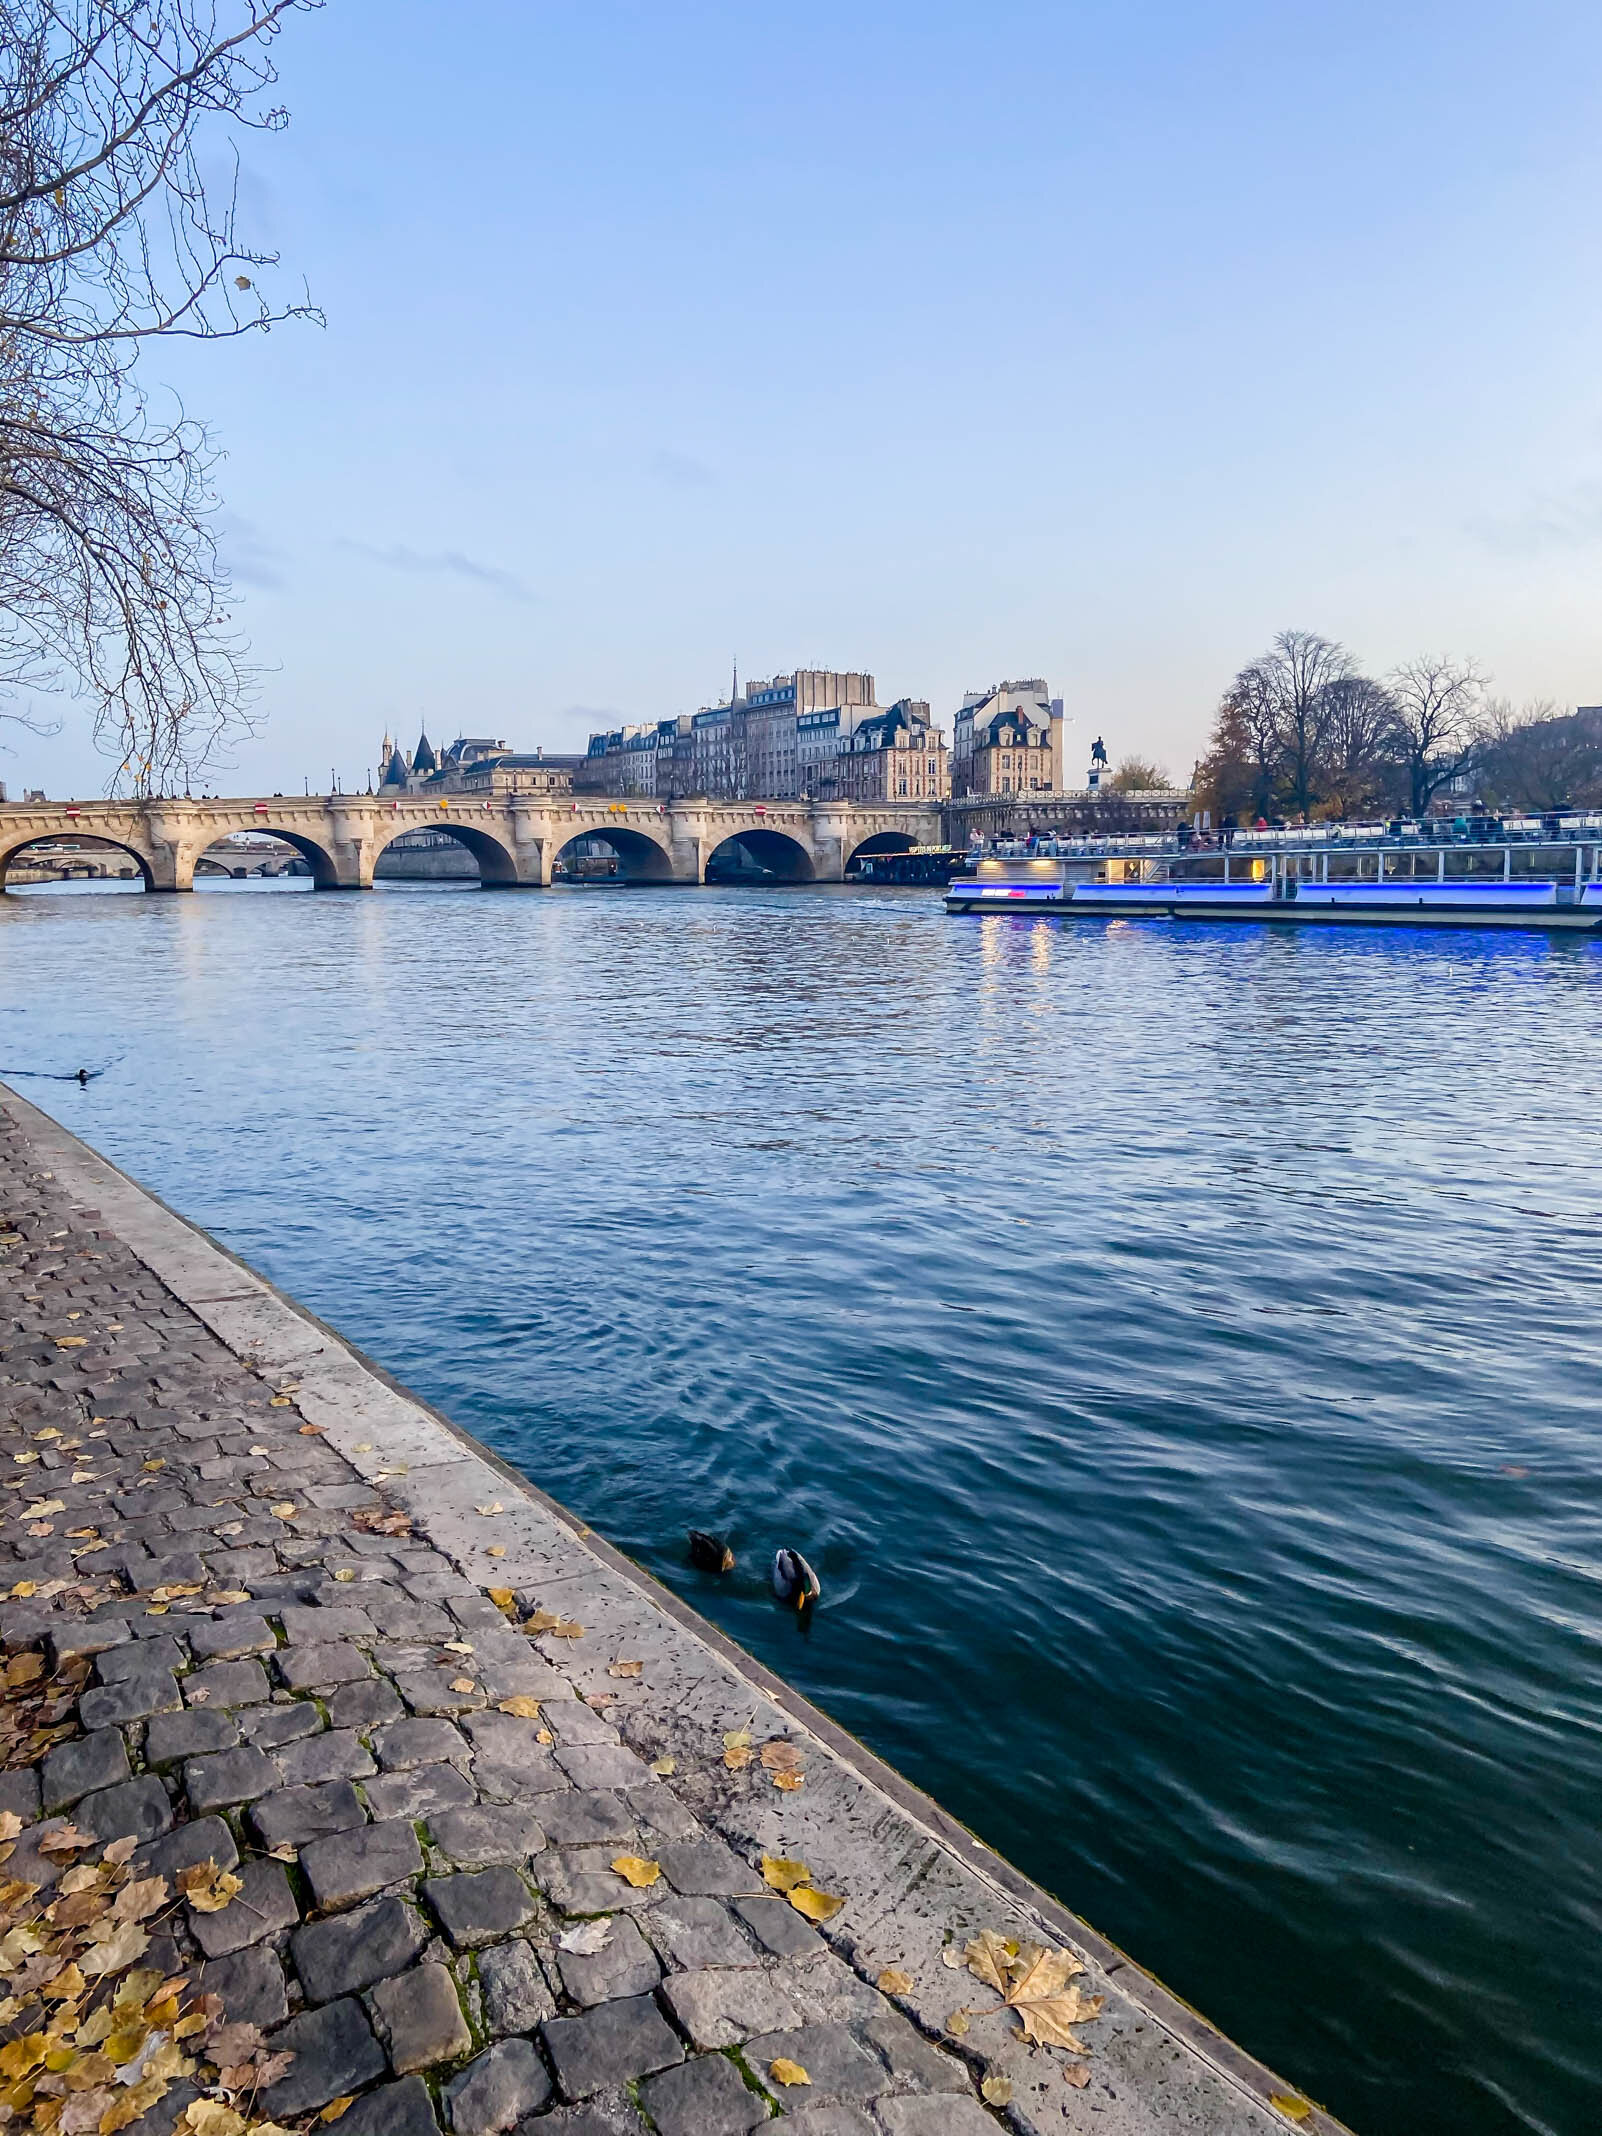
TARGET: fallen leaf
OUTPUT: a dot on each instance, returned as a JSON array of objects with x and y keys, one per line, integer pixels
[
  {"x": 286, "y": 1509},
  {"x": 738, "y": 1758},
  {"x": 781, "y": 1756},
  {"x": 65, "y": 1839},
  {"x": 176, "y": 1591},
  {"x": 996, "y": 2090},
  {"x": 789, "y": 1782},
  {"x": 664, "y": 1768},
  {"x": 502, "y": 1597},
  {"x": 117, "y": 1952},
  {"x": 23, "y": 1669},
  {"x": 312, "y": 1431},
  {"x": 544, "y": 1735},
  {"x": 784, "y": 2071},
  {"x": 637, "y": 1872},
  {"x": 1077, "y": 2074},
  {"x": 543, "y": 1620},
  {"x": 1047, "y": 2003},
  {"x": 209, "y": 2117},
  {"x": 208, "y": 1888},
  {"x": 457, "y": 1646},
  {"x": 72, "y": 1342},
  {"x": 737, "y": 1739},
  {"x": 957, "y": 2023},
  {"x": 336, "y": 2107},
  {"x": 497, "y": 1507},
  {"x": 496, "y": 1550},
  {"x": 892, "y": 1981},
  {"x": 10, "y": 1824},
  {"x": 345, "y": 1572},
  {"x": 816, "y": 1905},
  {"x": 284, "y": 1852},
  {"x": 136, "y": 1901},
  {"x": 42, "y": 1508},
  {"x": 784, "y": 1875},
  {"x": 526, "y": 1708},
  {"x": 626, "y": 1668},
  {"x": 463, "y": 1683},
  {"x": 585, "y": 1940},
  {"x": 364, "y": 1447},
  {"x": 569, "y": 1628},
  {"x": 989, "y": 1958},
  {"x": 1292, "y": 2107},
  {"x": 153, "y": 1467}
]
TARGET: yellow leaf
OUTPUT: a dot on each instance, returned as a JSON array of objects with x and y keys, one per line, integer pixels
[
  {"x": 284, "y": 1510},
  {"x": 154, "y": 1466},
  {"x": 136, "y": 1901},
  {"x": 569, "y": 1628},
  {"x": 543, "y": 1620},
  {"x": 496, "y": 1507},
  {"x": 783, "y": 1875},
  {"x": 336, "y": 2107},
  {"x": 344, "y": 1573},
  {"x": 784, "y": 2071},
  {"x": 1047, "y": 2003},
  {"x": 208, "y": 1888},
  {"x": 496, "y": 1550},
  {"x": 365, "y": 1447},
  {"x": 996, "y": 2090},
  {"x": 42, "y": 1508},
  {"x": 24, "y": 1588},
  {"x": 24, "y": 2054},
  {"x": 502, "y": 1597},
  {"x": 525, "y": 1708},
  {"x": 1293, "y": 2108},
  {"x": 738, "y": 1758},
  {"x": 957, "y": 2023},
  {"x": 72, "y": 1342},
  {"x": 737, "y": 1739},
  {"x": 816, "y": 1905},
  {"x": 279, "y": 1401},
  {"x": 637, "y": 1872},
  {"x": 463, "y": 1683},
  {"x": 663, "y": 1767},
  {"x": 892, "y": 1981},
  {"x": 209, "y": 2117},
  {"x": 789, "y": 1782},
  {"x": 626, "y": 1668}
]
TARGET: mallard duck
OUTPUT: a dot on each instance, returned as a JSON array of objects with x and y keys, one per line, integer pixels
[
  {"x": 709, "y": 1553},
  {"x": 794, "y": 1581}
]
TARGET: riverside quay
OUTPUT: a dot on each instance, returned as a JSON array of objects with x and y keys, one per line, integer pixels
[{"x": 370, "y": 1779}]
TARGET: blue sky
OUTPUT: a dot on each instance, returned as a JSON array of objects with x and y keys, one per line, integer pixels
[{"x": 952, "y": 342}]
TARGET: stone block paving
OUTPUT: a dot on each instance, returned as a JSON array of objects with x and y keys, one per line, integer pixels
[{"x": 285, "y": 1677}]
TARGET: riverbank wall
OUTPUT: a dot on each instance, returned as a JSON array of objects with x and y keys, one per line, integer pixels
[{"x": 404, "y": 1599}]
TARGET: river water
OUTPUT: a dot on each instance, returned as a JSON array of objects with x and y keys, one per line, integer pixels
[{"x": 1177, "y": 1350}]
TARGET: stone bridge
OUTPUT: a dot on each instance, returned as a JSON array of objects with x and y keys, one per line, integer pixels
[{"x": 515, "y": 838}]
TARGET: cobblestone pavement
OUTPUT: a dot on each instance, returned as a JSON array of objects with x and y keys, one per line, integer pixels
[{"x": 328, "y": 1644}]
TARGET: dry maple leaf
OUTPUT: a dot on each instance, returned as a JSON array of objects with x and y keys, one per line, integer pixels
[
  {"x": 520, "y": 1704},
  {"x": 781, "y": 1756},
  {"x": 1047, "y": 2003},
  {"x": 208, "y": 1888},
  {"x": 738, "y": 1757},
  {"x": 636, "y": 1871},
  {"x": 789, "y": 1782},
  {"x": 892, "y": 1981},
  {"x": 784, "y": 2071},
  {"x": 989, "y": 1958}
]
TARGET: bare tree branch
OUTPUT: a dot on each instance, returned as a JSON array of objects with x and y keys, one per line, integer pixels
[{"x": 110, "y": 582}]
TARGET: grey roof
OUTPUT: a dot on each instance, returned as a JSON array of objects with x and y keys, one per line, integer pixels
[{"x": 423, "y": 757}]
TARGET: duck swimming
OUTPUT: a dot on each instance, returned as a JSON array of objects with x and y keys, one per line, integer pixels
[
  {"x": 794, "y": 1581},
  {"x": 709, "y": 1553}
]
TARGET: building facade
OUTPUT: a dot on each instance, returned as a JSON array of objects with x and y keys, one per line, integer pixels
[
  {"x": 897, "y": 755},
  {"x": 1008, "y": 740},
  {"x": 472, "y": 765}
]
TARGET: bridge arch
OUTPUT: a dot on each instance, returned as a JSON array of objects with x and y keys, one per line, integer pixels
[
  {"x": 325, "y": 872},
  {"x": 497, "y": 866},
  {"x": 12, "y": 848},
  {"x": 880, "y": 842},
  {"x": 782, "y": 857},
  {"x": 640, "y": 857}
]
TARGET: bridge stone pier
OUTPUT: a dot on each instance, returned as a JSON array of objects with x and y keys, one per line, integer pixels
[{"x": 516, "y": 839}]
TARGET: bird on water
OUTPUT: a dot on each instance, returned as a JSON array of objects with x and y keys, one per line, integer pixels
[
  {"x": 709, "y": 1553},
  {"x": 794, "y": 1581}
]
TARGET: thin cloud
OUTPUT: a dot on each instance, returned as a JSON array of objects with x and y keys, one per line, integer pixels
[
  {"x": 250, "y": 559},
  {"x": 681, "y": 470},
  {"x": 1562, "y": 519},
  {"x": 450, "y": 562}
]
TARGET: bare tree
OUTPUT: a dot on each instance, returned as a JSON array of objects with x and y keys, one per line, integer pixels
[
  {"x": 1360, "y": 742},
  {"x": 1297, "y": 671},
  {"x": 110, "y": 236},
  {"x": 1540, "y": 757},
  {"x": 1439, "y": 704}
]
